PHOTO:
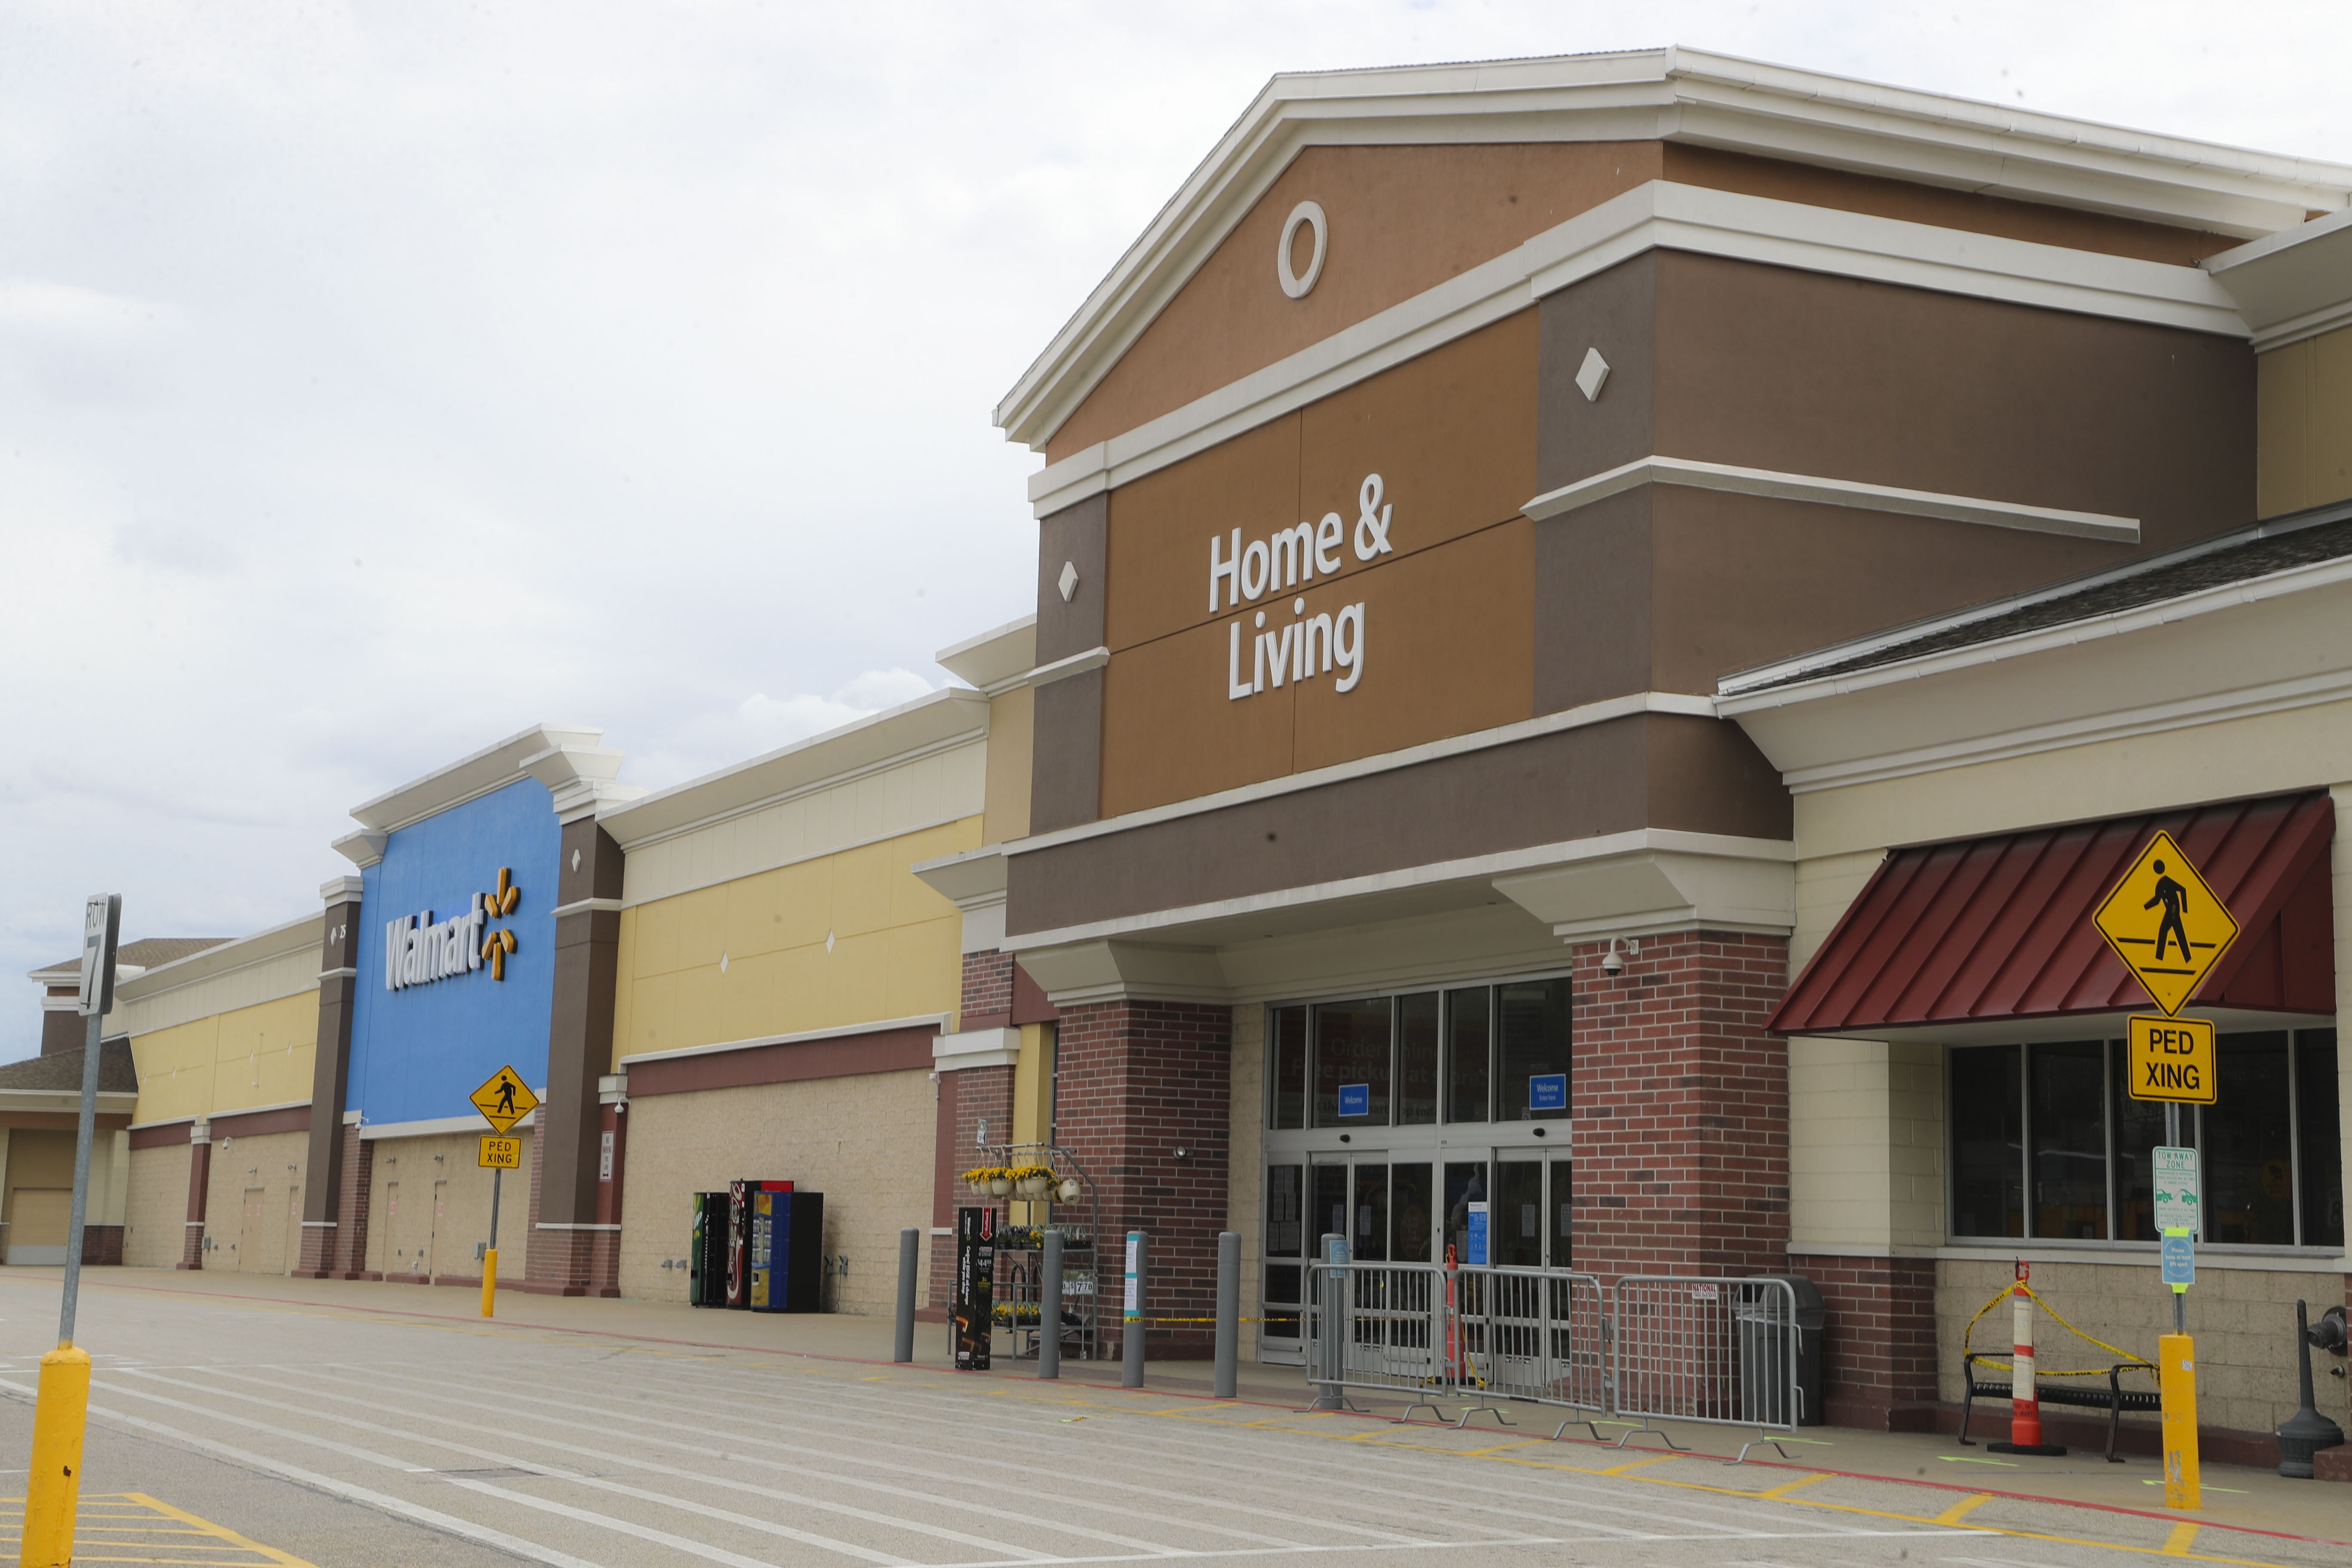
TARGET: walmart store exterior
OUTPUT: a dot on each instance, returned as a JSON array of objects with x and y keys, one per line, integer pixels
[{"x": 1613, "y": 700}]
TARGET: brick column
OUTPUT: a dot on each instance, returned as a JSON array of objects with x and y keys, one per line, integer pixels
[
  {"x": 200, "y": 1176},
  {"x": 574, "y": 1253},
  {"x": 968, "y": 1097},
  {"x": 1136, "y": 1082},
  {"x": 325, "y": 1192},
  {"x": 1681, "y": 1129},
  {"x": 343, "y": 1251}
]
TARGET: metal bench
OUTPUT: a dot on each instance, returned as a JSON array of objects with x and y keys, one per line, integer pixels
[{"x": 2114, "y": 1399}]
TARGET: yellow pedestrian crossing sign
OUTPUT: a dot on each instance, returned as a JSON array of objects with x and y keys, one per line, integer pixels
[
  {"x": 2166, "y": 924},
  {"x": 505, "y": 1100}
]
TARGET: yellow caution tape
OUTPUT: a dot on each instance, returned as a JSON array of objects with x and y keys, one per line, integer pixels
[{"x": 2006, "y": 1291}]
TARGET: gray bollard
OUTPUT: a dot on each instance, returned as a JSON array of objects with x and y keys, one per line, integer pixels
[
  {"x": 1049, "y": 1308},
  {"x": 910, "y": 1252},
  {"x": 1229, "y": 1313},
  {"x": 1131, "y": 1325},
  {"x": 1330, "y": 1323}
]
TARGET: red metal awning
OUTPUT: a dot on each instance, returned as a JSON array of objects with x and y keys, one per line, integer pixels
[{"x": 2000, "y": 927}]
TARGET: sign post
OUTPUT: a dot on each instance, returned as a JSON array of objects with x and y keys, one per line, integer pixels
[
  {"x": 61, "y": 1411},
  {"x": 503, "y": 1102},
  {"x": 2169, "y": 928}
]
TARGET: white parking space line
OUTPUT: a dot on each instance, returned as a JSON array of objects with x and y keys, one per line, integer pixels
[
  {"x": 1026, "y": 1473},
  {"x": 557, "y": 1472},
  {"x": 464, "y": 1529},
  {"x": 627, "y": 1527},
  {"x": 573, "y": 1418},
  {"x": 1284, "y": 1506}
]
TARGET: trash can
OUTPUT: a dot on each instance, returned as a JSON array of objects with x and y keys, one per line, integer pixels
[{"x": 1766, "y": 1347}]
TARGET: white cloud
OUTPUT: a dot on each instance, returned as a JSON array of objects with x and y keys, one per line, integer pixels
[{"x": 375, "y": 381}]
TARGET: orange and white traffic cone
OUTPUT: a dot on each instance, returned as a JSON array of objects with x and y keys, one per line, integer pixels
[{"x": 2024, "y": 1402}]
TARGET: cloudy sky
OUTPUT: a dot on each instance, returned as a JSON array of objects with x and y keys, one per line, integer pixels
[{"x": 377, "y": 380}]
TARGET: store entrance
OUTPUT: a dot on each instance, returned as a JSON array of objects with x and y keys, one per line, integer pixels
[{"x": 1404, "y": 1205}]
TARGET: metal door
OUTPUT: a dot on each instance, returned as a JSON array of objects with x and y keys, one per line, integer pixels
[
  {"x": 440, "y": 1223},
  {"x": 249, "y": 1231}
]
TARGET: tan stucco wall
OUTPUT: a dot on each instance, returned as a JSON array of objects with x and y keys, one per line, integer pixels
[
  {"x": 269, "y": 1241},
  {"x": 1865, "y": 1143},
  {"x": 2304, "y": 423},
  {"x": 1245, "y": 1178},
  {"x": 155, "y": 1216},
  {"x": 2241, "y": 1319},
  {"x": 864, "y": 1140},
  {"x": 1011, "y": 729},
  {"x": 260, "y": 1055},
  {"x": 451, "y": 1235},
  {"x": 842, "y": 939}
]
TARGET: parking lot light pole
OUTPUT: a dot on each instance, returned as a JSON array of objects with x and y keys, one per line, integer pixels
[{"x": 61, "y": 1412}]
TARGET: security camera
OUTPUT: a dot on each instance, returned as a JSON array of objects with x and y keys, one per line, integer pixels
[{"x": 1612, "y": 963}]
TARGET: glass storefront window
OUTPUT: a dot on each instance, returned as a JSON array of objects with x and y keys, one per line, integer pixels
[
  {"x": 2044, "y": 1138},
  {"x": 1465, "y": 1184},
  {"x": 1370, "y": 1244},
  {"x": 1988, "y": 1135},
  {"x": 2139, "y": 1129},
  {"x": 2070, "y": 1139},
  {"x": 2319, "y": 1148},
  {"x": 1285, "y": 1235},
  {"x": 1412, "y": 1207},
  {"x": 1514, "y": 1226},
  {"x": 1286, "y": 1053},
  {"x": 2249, "y": 1145},
  {"x": 1563, "y": 1214},
  {"x": 1329, "y": 1216},
  {"x": 1351, "y": 1055},
  {"x": 1469, "y": 1052},
  {"x": 1416, "y": 1059},
  {"x": 1532, "y": 1041}
]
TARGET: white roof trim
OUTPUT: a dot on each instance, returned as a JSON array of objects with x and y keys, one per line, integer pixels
[
  {"x": 302, "y": 932},
  {"x": 469, "y": 777},
  {"x": 1676, "y": 94}
]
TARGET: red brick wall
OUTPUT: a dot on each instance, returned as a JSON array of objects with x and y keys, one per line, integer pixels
[
  {"x": 1681, "y": 1099},
  {"x": 341, "y": 1252},
  {"x": 1136, "y": 1081},
  {"x": 966, "y": 1098},
  {"x": 987, "y": 991},
  {"x": 200, "y": 1168},
  {"x": 1878, "y": 1358}
]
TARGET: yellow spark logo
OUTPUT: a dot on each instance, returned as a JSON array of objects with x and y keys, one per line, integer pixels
[{"x": 499, "y": 943}]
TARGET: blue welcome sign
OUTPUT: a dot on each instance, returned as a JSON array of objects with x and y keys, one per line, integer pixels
[
  {"x": 1355, "y": 1099},
  {"x": 1547, "y": 1091}
]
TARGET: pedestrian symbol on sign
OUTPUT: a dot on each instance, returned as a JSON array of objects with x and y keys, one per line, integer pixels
[
  {"x": 2167, "y": 926},
  {"x": 505, "y": 1100}
]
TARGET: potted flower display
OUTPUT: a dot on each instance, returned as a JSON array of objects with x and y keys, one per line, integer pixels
[
  {"x": 989, "y": 1180},
  {"x": 1032, "y": 1182}
]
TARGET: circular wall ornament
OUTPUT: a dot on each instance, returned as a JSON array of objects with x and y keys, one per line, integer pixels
[{"x": 1293, "y": 284}]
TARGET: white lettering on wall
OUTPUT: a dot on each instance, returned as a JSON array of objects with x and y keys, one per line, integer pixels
[
  {"x": 1309, "y": 646},
  {"x": 417, "y": 950}
]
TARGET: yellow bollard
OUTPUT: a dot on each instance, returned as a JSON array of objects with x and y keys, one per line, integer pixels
[
  {"x": 489, "y": 1278},
  {"x": 2176, "y": 1379},
  {"x": 53, "y": 1485}
]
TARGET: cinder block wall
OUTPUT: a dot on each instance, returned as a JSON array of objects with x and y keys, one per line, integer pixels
[
  {"x": 155, "y": 1216},
  {"x": 864, "y": 1140},
  {"x": 2242, "y": 1320}
]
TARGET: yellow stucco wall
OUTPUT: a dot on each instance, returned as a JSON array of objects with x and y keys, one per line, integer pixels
[
  {"x": 253, "y": 1055},
  {"x": 1012, "y": 724},
  {"x": 156, "y": 1213},
  {"x": 2304, "y": 423},
  {"x": 894, "y": 950}
]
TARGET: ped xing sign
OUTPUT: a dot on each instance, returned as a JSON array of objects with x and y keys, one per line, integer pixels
[
  {"x": 2171, "y": 1059},
  {"x": 504, "y": 1100},
  {"x": 2167, "y": 924},
  {"x": 500, "y": 1153}
]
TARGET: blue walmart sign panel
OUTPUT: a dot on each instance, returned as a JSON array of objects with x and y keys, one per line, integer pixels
[{"x": 418, "y": 1050}]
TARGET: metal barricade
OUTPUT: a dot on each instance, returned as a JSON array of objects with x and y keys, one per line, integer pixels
[
  {"x": 1722, "y": 1350},
  {"x": 1530, "y": 1336},
  {"x": 1376, "y": 1326}
]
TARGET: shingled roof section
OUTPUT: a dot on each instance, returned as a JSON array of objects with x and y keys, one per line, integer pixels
[
  {"x": 2242, "y": 556},
  {"x": 117, "y": 1073},
  {"x": 147, "y": 953}
]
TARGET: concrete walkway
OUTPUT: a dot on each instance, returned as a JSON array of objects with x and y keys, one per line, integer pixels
[{"x": 2235, "y": 1499}]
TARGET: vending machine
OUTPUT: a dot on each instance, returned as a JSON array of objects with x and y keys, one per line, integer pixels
[
  {"x": 803, "y": 1253},
  {"x": 706, "y": 1279},
  {"x": 744, "y": 1213}
]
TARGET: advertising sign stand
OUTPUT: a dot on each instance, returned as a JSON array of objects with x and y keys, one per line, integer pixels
[{"x": 61, "y": 1408}]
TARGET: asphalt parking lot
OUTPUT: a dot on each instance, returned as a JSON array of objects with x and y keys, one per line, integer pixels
[{"x": 250, "y": 1429}]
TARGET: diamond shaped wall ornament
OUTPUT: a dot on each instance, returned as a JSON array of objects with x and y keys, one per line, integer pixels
[
  {"x": 722, "y": 963},
  {"x": 1068, "y": 581},
  {"x": 828, "y": 941},
  {"x": 1591, "y": 374}
]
